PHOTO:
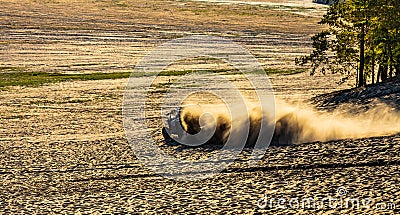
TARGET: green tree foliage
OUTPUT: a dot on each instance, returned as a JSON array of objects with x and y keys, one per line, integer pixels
[{"x": 363, "y": 36}]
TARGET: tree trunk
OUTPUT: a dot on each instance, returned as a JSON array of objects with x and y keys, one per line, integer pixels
[
  {"x": 384, "y": 73},
  {"x": 397, "y": 63},
  {"x": 361, "y": 81},
  {"x": 397, "y": 66},
  {"x": 373, "y": 68},
  {"x": 379, "y": 76},
  {"x": 390, "y": 61}
]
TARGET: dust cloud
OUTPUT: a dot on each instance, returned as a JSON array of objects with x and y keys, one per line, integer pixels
[{"x": 294, "y": 123}]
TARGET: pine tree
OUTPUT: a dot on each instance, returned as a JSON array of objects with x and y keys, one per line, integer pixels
[{"x": 362, "y": 35}]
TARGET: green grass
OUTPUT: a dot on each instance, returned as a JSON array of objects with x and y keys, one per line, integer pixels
[
  {"x": 232, "y": 72},
  {"x": 40, "y": 78},
  {"x": 184, "y": 72},
  {"x": 284, "y": 71},
  {"x": 12, "y": 76},
  {"x": 10, "y": 69}
]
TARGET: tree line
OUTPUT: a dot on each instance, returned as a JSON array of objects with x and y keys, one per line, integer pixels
[{"x": 362, "y": 40}]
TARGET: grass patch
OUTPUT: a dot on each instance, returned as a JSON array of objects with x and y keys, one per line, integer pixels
[
  {"x": 232, "y": 72},
  {"x": 265, "y": 71},
  {"x": 40, "y": 78},
  {"x": 184, "y": 72},
  {"x": 10, "y": 69},
  {"x": 13, "y": 77},
  {"x": 284, "y": 71}
]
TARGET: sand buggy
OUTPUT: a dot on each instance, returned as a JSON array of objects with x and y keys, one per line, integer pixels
[{"x": 173, "y": 125}]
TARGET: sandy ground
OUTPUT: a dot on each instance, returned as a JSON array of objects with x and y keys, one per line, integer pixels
[
  {"x": 64, "y": 148},
  {"x": 65, "y": 157}
]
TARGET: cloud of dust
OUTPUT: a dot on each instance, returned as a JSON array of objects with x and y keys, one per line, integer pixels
[
  {"x": 300, "y": 124},
  {"x": 294, "y": 123}
]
